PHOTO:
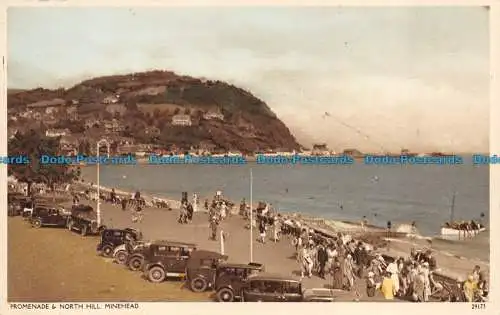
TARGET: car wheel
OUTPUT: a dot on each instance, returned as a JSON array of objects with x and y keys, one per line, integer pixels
[
  {"x": 84, "y": 230},
  {"x": 37, "y": 223},
  {"x": 225, "y": 295},
  {"x": 156, "y": 274},
  {"x": 121, "y": 257},
  {"x": 199, "y": 284},
  {"x": 107, "y": 251},
  {"x": 135, "y": 263}
]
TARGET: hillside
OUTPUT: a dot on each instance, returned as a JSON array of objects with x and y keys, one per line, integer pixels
[{"x": 153, "y": 98}]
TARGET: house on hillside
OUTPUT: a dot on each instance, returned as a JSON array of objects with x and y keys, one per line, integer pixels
[
  {"x": 91, "y": 123},
  {"x": 353, "y": 152},
  {"x": 213, "y": 115},
  {"x": 207, "y": 146},
  {"x": 68, "y": 145},
  {"x": 72, "y": 112},
  {"x": 50, "y": 121},
  {"x": 47, "y": 106},
  {"x": 181, "y": 120},
  {"x": 36, "y": 116},
  {"x": 116, "y": 108},
  {"x": 320, "y": 149},
  {"x": 152, "y": 131},
  {"x": 26, "y": 114},
  {"x": 53, "y": 133},
  {"x": 112, "y": 99},
  {"x": 113, "y": 126}
]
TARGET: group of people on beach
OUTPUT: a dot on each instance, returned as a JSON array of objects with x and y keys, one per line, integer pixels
[
  {"x": 467, "y": 228},
  {"x": 345, "y": 260}
]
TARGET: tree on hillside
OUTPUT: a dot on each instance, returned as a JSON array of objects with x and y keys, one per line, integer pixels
[
  {"x": 84, "y": 147},
  {"x": 131, "y": 105},
  {"x": 33, "y": 145}
]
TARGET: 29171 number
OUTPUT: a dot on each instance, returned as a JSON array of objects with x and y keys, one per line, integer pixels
[{"x": 479, "y": 306}]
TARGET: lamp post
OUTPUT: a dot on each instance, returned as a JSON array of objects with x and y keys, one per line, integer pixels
[
  {"x": 251, "y": 216},
  {"x": 98, "y": 180},
  {"x": 222, "y": 242}
]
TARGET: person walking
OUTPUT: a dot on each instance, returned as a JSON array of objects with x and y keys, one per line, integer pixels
[
  {"x": 195, "y": 203},
  {"x": 322, "y": 259},
  {"x": 371, "y": 286},
  {"x": 349, "y": 272},
  {"x": 189, "y": 212},
  {"x": 262, "y": 231},
  {"x": 387, "y": 287},
  {"x": 213, "y": 228}
]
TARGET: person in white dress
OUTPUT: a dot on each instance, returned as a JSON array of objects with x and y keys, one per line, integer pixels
[
  {"x": 195, "y": 203},
  {"x": 277, "y": 228},
  {"x": 223, "y": 210},
  {"x": 307, "y": 262}
]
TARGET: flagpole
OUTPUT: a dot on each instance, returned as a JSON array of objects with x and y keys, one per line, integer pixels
[{"x": 251, "y": 216}]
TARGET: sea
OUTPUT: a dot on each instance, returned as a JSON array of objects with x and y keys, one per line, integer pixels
[{"x": 396, "y": 193}]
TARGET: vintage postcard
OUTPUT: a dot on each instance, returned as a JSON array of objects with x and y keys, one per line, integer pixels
[{"x": 253, "y": 153}]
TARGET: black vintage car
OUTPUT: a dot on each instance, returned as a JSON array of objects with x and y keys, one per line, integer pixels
[
  {"x": 277, "y": 288},
  {"x": 167, "y": 260},
  {"x": 112, "y": 238},
  {"x": 46, "y": 215},
  {"x": 230, "y": 279},
  {"x": 84, "y": 219},
  {"x": 140, "y": 253},
  {"x": 201, "y": 269}
]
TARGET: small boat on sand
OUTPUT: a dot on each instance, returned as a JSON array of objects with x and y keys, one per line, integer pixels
[{"x": 464, "y": 229}]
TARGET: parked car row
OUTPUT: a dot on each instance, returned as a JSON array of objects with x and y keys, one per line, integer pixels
[
  {"x": 161, "y": 260},
  {"x": 202, "y": 270}
]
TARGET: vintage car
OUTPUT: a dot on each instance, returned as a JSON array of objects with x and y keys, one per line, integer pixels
[
  {"x": 84, "y": 219},
  {"x": 140, "y": 252},
  {"x": 167, "y": 260},
  {"x": 111, "y": 238},
  {"x": 230, "y": 279},
  {"x": 27, "y": 205},
  {"x": 47, "y": 215},
  {"x": 202, "y": 269},
  {"x": 264, "y": 287},
  {"x": 16, "y": 203}
]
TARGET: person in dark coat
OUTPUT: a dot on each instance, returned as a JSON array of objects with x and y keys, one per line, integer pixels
[
  {"x": 113, "y": 196},
  {"x": 338, "y": 276},
  {"x": 214, "y": 223},
  {"x": 124, "y": 204},
  {"x": 190, "y": 211},
  {"x": 322, "y": 259}
]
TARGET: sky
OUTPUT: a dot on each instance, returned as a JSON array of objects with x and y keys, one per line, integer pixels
[{"x": 388, "y": 78}]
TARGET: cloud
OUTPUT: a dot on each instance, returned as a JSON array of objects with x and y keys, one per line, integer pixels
[{"x": 407, "y": 77}]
